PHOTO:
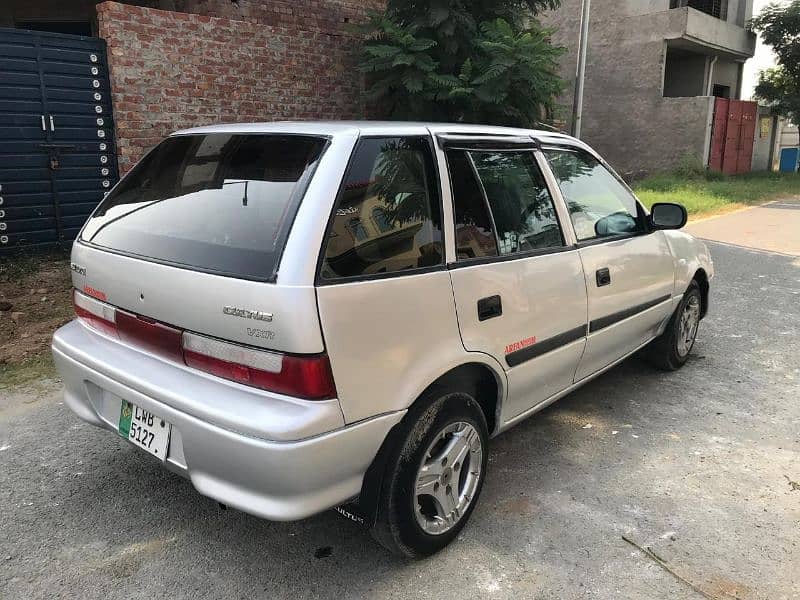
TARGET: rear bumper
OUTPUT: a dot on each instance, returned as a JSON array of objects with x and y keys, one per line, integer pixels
[{"x": 233, "y": 443}]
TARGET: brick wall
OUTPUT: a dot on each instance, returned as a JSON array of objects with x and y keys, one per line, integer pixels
[
  {"x": 327, "y": 16},
  {"x": 171, "y": 70}
]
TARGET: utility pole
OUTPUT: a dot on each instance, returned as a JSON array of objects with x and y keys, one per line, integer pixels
[{"x": 580, "y": 76}]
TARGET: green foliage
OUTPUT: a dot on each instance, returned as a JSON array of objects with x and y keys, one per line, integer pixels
[
  {"x": 710, "y": 193},
  {"x": 441, "y": 60},
  {"x": 779, "y": 26},
  {"x": 691, "y": 166}
]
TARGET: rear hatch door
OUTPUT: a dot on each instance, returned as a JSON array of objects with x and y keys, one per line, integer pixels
[{"x": 193, "y": 237}]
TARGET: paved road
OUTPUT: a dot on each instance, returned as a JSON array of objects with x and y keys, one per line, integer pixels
[
  {"x": 696, "y": 465},
  {"x": 774, "y": 226}
]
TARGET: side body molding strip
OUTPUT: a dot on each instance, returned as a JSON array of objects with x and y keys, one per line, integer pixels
[
  {"x": 552, "y": 343},
  {"x": 609, "y": 320}
]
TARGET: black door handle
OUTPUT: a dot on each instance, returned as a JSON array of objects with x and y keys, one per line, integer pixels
[
  {"x": 489, "y": 308},
  {"x": 603, "y": 277}
]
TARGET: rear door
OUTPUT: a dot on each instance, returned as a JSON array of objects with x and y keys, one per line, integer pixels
[
  {"x": 384, "y": 294},
  {"x": 629, "y": 269},
  {"x": 517, "y": 278}
]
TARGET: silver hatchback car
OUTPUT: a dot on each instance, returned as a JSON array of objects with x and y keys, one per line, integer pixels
[{"x": 302, "y": 316}]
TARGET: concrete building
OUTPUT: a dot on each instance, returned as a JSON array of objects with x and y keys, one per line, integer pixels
[{"x": 654, "y": 68}]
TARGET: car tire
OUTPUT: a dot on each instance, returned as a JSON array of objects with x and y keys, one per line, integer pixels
[
  {"x": 424, "y": 479},
  {"x": 671, "y": 349}
]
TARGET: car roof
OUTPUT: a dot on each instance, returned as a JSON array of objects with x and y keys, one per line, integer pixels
[{"x": 332, "y": 128}]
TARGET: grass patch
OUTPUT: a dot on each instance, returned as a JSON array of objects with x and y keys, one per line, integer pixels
[
  {"x": 28, "y": 371},
  {"x": 706, "y": 194}
]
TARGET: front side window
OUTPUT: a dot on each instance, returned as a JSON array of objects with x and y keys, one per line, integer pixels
[
  {"x": 522, "y": 209},
  {"x": 218, "y": 202},
  {"x": 599, "y": 205},
  {"x": 387, "y": 217}
]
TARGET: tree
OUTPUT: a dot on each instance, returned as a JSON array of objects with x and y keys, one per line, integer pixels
[
  {"x": 487, "y": 61},
  {"x": 779, "y": 26}
]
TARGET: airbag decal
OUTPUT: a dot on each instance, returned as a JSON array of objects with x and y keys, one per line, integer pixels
[{"x": 552, "y": 343}]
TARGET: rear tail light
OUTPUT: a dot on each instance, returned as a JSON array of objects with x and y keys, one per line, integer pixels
[
  {"x": 309, "y": 376},
  {"x": 150, "y": 335},
  {"x": 97, "y": 315}
]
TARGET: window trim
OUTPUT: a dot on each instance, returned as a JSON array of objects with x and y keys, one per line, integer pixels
[
  {"x": 485, "y": 260},
  {"x": 319, "y": 280},
  {"x": 641, "y": 216},
  {"x": 484, "y": 196},
  {"x": 486, "y": 142},
  {"x": 298, "y": 196},
  {"x": 482, "y": 260}
]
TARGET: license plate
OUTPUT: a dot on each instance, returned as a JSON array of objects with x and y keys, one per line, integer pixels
[{"x": 144, "y": 429}]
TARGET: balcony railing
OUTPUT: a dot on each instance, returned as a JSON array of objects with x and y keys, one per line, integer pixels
[{"x": 715, "y": 8}]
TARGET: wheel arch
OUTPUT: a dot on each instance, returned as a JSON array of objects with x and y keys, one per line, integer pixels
[
  {"x": 487, "y": 386},
  {"x": 701, "y": 277}
]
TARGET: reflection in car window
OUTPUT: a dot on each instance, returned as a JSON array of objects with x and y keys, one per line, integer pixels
[
  {"x": 219, "y": 202},
  {"x": 599, "y": 205},
  {"x": 474, "y": 231},
  {"x": 523, "y": 211},
  {"x": 387, "y": 216},
  {"x": 382, "y": 220}
]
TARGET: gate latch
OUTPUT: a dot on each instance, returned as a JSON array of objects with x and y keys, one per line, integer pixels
[{"x": 54, "y": 152}]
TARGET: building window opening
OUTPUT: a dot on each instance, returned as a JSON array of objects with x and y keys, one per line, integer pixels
[
  {"x": 721, "y": 91},
  {"x": 684, "y": 74}
]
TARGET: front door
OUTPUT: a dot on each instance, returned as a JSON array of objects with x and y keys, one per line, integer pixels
[
  {"x": 629, "y": 270},
  {"x": 519, "y": 288}
]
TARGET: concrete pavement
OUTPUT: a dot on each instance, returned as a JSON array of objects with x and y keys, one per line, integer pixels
[
  {"x": 699, "y": 465},
  {"x": 774, "y": 226}
]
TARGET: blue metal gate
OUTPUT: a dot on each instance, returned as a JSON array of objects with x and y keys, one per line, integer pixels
[
  {"x": 57, "y": 152},
  {"x": 790, "y": 159}
]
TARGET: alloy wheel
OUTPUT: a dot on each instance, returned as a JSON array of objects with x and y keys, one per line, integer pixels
[
  {"x": 687, "y": 327},
  {"x": 448, "y": 477}
]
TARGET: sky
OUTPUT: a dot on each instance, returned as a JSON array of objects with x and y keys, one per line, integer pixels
[{"x": 763, "y": 59}]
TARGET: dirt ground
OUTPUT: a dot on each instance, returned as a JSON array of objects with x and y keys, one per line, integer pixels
[{"x": 34, "y": 302}]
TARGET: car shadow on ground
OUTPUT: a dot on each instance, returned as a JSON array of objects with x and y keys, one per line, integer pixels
[{"x": 139, "y": 508}]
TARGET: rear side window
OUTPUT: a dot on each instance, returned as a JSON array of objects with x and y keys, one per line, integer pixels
[
  {"x": 387, "y": 217},
  {"x": 522, "y": 209},
  {"x": 474, "y": 229},
  {"x": 599, "y": 205},
  {"x": 221, "y": 203}
]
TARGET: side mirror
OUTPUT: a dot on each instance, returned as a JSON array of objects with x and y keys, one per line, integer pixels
[{"x": 666, "y": 215}]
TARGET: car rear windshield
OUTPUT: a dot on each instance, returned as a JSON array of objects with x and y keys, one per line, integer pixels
[{"x": 219, "y": 202}]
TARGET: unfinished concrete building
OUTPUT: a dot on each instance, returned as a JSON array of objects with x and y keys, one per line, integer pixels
[{"x": 654, "y": 69}]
